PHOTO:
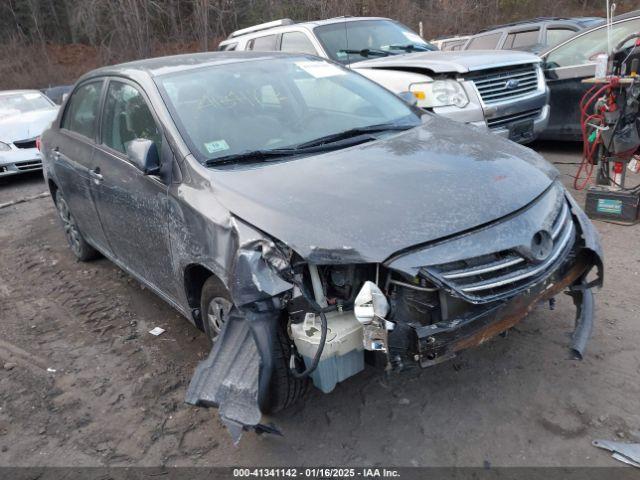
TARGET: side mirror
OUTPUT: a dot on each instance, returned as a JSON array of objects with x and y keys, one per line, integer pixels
[
  {"x": 370, "y": 303},
  {"x": 408, "y": 98},
  {"x": 143, "y": 153}
]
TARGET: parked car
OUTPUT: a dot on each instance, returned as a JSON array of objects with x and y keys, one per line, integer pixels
[
  {"x": 302, "y": 215},
  {"x": 567, "y": 64},
  {"x": 58, "y": 94},
  {"x": 448, "y": 44},
  {"x": 530, "y": 35},
  {"x": 24, "y": 114},
  {"x": 502, "y": 91}
]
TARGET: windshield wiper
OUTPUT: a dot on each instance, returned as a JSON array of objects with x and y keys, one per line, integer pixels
[
  {"x": 322, "y": 144},
  {"x": 410, "y": 47},
  {"x": 367, "y": 52},
  {"x": 354, "y": 132},
  {"x": 252, "y": 156}
]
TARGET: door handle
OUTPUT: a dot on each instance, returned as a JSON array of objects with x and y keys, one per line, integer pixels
[
  {"x": 56, "y": 153},
  {"x": 96, "y": 175}
]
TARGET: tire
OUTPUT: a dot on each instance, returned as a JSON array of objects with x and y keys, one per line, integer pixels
[
  {"x": 79, "y": 246},
  {"x": 284, "y": 388}
]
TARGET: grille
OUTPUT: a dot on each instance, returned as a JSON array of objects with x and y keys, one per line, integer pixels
[
  {"x": 500, "y": 122},
  {"x": 29, "y": 165},
  {"x": 31, "y": 143},
  {"x": 497, "y": 85},
  {"x": 505, "y": 273}
]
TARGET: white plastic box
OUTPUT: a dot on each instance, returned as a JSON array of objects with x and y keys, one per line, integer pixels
[{"x": 343, "y": 354}]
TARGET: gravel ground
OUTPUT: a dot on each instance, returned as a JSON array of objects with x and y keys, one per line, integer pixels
[{"x": 83, "y": 383}]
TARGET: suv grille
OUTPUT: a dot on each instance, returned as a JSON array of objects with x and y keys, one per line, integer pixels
[
  {"x": 497, "y": 85},
  {"x": 500, "y": 122},
  {"x": 502, "y": 274}
]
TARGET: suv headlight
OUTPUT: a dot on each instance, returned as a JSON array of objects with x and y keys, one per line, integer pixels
[
  {"x": 439, "y": 93},
  {"x": 4, "y": 147}
]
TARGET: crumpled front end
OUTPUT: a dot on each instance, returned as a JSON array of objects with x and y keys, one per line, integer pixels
[
  {"x": 417, "y": 308},
  {"x": 460, "y": 292}
]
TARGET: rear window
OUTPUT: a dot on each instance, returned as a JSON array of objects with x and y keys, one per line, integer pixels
[
  {"x": 264, "y": 44},
  {"x": 228, "y": 47},
  {"x": 484, "y": 42},
  {"x": 516, "y": 40},
  {"x": 557, "y": 35}
]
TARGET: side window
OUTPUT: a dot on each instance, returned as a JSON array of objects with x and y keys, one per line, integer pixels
[
  {"x": 516, "y": 40},
  {"x": 82, "y": 109},
  {"x": 297, "y": 42},
  {"x": 127, "y": 117},
  {"x": 484, "y": 42},
  {"x": 557, "y": 35},
  {"x": 584, "y": 48},
  {"x": 229, "y": 47},
  {"x": 264, "y": 44}
]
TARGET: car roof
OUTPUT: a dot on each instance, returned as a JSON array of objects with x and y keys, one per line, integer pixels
[
  {"x": 14, "y": 92},
  {"x": 233, "y": 37},
  {"x": 187, "y": 61},
  {"x": 578, "y": 21}
]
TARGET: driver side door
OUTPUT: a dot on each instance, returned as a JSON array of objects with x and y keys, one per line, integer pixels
[{"x": 132, "y": 206}]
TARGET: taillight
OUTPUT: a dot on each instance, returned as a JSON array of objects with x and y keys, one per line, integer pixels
[{"x": 38, "y": 144}]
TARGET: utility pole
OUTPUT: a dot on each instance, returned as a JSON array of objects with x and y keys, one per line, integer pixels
[{"x": 205, "y": 20}]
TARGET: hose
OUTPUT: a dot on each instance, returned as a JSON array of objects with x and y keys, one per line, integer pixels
[
  {"x": 323, "y": 329},
  {"x": 316, "y": 359},
  {"x": 589, "y": 148}
]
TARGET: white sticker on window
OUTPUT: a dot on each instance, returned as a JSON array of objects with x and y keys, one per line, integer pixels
[
  {"x": 413, "y": 37},
  {"x": 216, "y": 146},
  {"x": 320, "y": 69}
]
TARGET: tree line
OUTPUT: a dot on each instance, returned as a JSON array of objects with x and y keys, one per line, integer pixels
[{"x": 44, "y": 42}]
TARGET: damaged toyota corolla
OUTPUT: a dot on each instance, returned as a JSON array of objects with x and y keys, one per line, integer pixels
[{"x": 308, "y": 220}]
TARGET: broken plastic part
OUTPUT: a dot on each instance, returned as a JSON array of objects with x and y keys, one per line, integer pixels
[{"x": 583, "y": 300}]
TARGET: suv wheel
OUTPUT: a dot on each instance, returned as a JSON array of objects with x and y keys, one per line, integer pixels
[
  {"x": 79, "y": 246},
  {"x": 284, "y": 388}
]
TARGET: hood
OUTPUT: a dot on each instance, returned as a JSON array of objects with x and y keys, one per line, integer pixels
[
  {"x": 366, "y": 202},
  {"x": 448, "y": 62},
  {"x": 25, "y": 126}
]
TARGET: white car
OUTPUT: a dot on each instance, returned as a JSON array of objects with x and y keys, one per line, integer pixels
[
  {"x": 502, "y": 91},
  {"x": 24, "y": 115}
]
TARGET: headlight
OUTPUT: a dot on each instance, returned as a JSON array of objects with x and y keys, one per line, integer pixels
[
  {"x": 4, "y": 147},
  {"x": 439, "y": 93}
]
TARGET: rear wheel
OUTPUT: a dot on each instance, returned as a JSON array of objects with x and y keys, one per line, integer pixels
[
  {"x": 284, "y": 388},
  {"x": 79, "y": 246}
]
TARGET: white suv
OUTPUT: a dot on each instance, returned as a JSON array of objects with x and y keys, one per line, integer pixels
[{"x": 504, "y": 91}]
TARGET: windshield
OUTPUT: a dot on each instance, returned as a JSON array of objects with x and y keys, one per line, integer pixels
[
  {"x": 353, "y": 41},
  {"x": 261, "y": 105},
  {"x": 15, "y": 103}
]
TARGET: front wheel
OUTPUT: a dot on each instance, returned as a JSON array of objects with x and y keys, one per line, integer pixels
[
  {"x": 284, "y": 388},
  {"x": 79, "y": 246}
]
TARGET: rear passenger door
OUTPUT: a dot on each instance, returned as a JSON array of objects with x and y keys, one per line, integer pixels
[
  {"x": 72, "y": 156},
  {"x": 133, "y": 207}
]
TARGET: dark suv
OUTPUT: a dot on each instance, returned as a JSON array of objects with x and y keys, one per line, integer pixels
[{"x": 306, "y": 218}]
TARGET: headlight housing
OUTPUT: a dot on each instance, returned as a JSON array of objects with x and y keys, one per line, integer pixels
[
  {"x": 4, "y": 147},
  {"x": 439, "y": 93}
]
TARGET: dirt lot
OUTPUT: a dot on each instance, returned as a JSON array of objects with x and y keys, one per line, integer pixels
[{"x": 83, "y": 383}]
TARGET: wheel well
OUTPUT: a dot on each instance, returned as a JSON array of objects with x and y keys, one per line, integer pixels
[
  {"x": 53, "y": 188},
  {"x": 194, "y": 277}
]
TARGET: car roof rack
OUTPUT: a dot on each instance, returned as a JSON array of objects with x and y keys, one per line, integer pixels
[
  {"x": 531, "y": 20},
  {"x": 263, "y": 26}
]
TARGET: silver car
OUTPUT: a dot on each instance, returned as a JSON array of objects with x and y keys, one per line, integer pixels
[
  {"x": 502, "y": 91},
  {"x": 24, "y": 115}
]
